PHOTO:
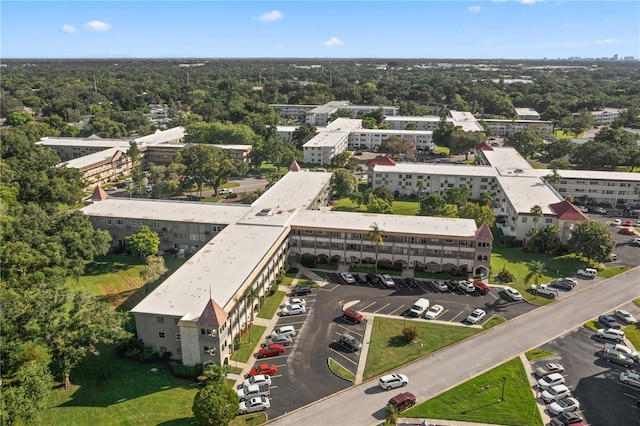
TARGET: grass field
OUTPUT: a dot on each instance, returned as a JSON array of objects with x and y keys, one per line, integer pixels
[
  {"x": 271, "y": 304},
  {"x": 534, "y": 354},
  {"x": 388, "y": 349},
  {"x": 479, "y": 399},
  {"x": 493, "y": 321},
  {"x": 248, "y": 344},
  {"x": 406, "y": 208},
  {"x": 340, "y": 371},
  {"x": 633, "y": 334}
]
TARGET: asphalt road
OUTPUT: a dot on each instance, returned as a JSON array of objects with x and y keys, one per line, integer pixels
[{"x": 364, "y": 405}]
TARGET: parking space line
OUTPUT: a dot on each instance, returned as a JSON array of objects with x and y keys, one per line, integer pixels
[
  {"x": 494, "y": 296},
  {"x": 344, "y": 356},
  {"x": 396, "y": 310},
  {"x": 371, "y": 304},
  {"x": 375, "y": 312},
  {"x": 452, "y": 319},
  {"x": 424, "y": 290}
]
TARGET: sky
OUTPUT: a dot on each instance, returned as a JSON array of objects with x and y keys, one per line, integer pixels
[{"x": 510, "y": 29}]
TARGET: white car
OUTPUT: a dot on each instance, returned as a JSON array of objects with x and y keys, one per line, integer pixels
[
  {"x": 610, "y": 334},
  {"x": 225, "y": 191},
  {"x": 466, "y": 286},
  {"x": 294, "y": 310},
  {"x": 630, "y": 378},
  {"x": 259, "y": 379},
  {"x": 476, "y": 316},
  {"x": 625, "y": 350},
  {"x": 564, "y": 405},
  {"x": 625, "y": 316},
  {"x": 295, "y": 301},
  {"x": 550, "y": 380},
  {"x": 388, "y": 281},
  {"x": 392, "y": 381},
  {"x": 348, "y": 278},
  {"x": 512, "y": 294},
  {"x": 555, "y": 393},
  {"x": 260, "y": 403},
  {"x": 616, "y": 222},
  {"x": 434, "y": 312},
  {"x": 279, "y": 339}
]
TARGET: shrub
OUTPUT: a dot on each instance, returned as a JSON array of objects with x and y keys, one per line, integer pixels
[
  {"x": 135, "y": 349},
  {"x": 410, "y": 333},
  {"x": 308, "y": 261},
  {"x": 505, "y": 276},
  {"x": 187, "y": 372}
]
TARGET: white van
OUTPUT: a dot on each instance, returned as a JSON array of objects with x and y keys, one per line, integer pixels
[
  {"x": 587, "y": 273},
  {"x": 419, "y": 308}
]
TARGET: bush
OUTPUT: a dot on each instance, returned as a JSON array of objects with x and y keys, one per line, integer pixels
[
  {"x": 135, "y": 349},
  {"x": 505, "y": 276},
  {"x": 410, "y": 333},
  {"x": 308, "y": 261},
  {"x": 187, "y": 372}
]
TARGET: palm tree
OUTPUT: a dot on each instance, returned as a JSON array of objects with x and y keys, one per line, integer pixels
[
  {"x": 375, "y": 235},
  {"x": 250, "y": 296},
  {"x": 486, "y": 198},
  {"x": 536, "y": 212},
  {"x": 391, "y": 415},
  {"x": 553, "y": 177},
  {"x": 420, "y": 186},
  {"x": 536, "y": 271}
]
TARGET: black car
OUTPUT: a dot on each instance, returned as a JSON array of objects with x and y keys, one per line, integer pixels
[
  {"x": 374, "y": 279},
  {"x": 301, "y": 290},
  {"x": 564, "y": 419},
  {"x": 565, "y": 285},
  {"x": 609, "y": 321},
  {"x": 361, "y": 278},
  {"x": 411, "y": 282},
  {"x": 452, "y": 284}
]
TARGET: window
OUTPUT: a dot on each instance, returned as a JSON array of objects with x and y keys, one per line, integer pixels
[
  {"x": 177, "y": 336},
  {"x": 548, "y": 220},
  {"x": 160, "y": 320},
  {"x": 119, "y": 222},
  {"x": 524, "y": 219},
  {"x": 109, "y": 222},
  {"x": 161, "y": 334},
  {"x": 163, "y": 349}
]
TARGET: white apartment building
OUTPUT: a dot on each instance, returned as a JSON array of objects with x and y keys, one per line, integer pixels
[
  {"x": 502, "y": 128},
  {"x": 605, "y": 117},
  {"x": 527, "y": 114}
]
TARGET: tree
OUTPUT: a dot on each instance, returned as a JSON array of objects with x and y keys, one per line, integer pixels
[
  {"x": 143, "y": 243},
  {"x": 481, "y": 214},
  {"x": 433, "y": 205},
  {"x": 19, "y": 118},
  {"x": 375, "y": 236},
  {"x": 22, "y": 401},
  {"x": 78, "y": 330},
  {"x": 592, "y": 240},
  {"x": 216, "y": 373},
  {"x": 464, "y": 142},
  {"x": 344, "y": 183},
  {"x": 543, "y": 240},
  {"x": 443, "y": 134},
  {"x": 536, "y": 271},
  {"x": 303, "y": 134},
  {"x": 341, "y": 160},
  {"x": 457, "y": 195},
  {"x": 396, "y": 147},
  {"x": 215, "y": 405},
  {"x": 553, "y": 177},
  {"x": 155, "y": 267},
  {"x": 379, "y": 205},
  {"x": 391, "y": 415},
  {"x": 384, "y": 193},
  {"x": 559, "y": 163},
  {"x": 536, "y": 212},
  {"x": 560, "y": 148},
  {"x": 105, "y": 128},
  {"x": 250, "y": 296},
  {"x": 486, "y": 198},
  {"x": 208, "y": 164},
  {"x": 525, "y": 142}
]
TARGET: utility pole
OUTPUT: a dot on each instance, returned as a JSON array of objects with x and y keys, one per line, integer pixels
[{"x": 504, "y": 379}]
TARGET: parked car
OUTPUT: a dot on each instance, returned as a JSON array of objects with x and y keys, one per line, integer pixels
[
  {"x": 392, "y": 381},
  {"x": 628, "y": 223},
  {"x": 269, "y": 369},
  {"x": 411, "y": 282},
  {"x": 374, "y": 279},
  {"x": 481, "y": 287},
  {"x": 225, "y": 191},
  {"x": 453, "y": 284},
  {"x": 563, "y": 284},
  {"x": 627, "y": 231},
  {"x": 512, "y": 294},
  {"x": 610, "y": 334},
  {"x": 270, "y": 350},
  {"x": 254, "y": 405},
  {"x": 600, "y": 210},
  {"x": 476, "y": 316},
  {"x": 625, "y": 316},
  {"x": 617, "y": 357},
  {"x": 609, "y": 321},
  {"x": 361, "y": 278},
  {"x": 623, "y": 349},
  {"x": 294, "y": 310},
  {"x": 439, "y": 285},
  {"x": 403, "y": 401},
  {"x": 636, "y": 242},
  {"x": 466, "y": 286},
  {"x": 252, "y": 391},
  {"x": 550, "y": 380},
  {"x": 616, "y": 222},
  {"x": 286, "y": 330},
  {"x": 388, "y": 281},
  {"x": 419, "y": 308},
  {"x": 545, "y": 290},
  {"x": 434, "y": 312},
  {"x": 295, "y": 301},
  {"x": 301, "y": 290},
  {"x": 587, "y": 273},
  {"x": 352, "y": 315},
  {"x": 564, "y": 405},
  {"x": 549, "y": 368},
  {"x": 350, "y": 342},
  {"x": 279, "y": 339},
  {"x": 629, "y": 378},
  {"x": 613, "y": 257},
  {"x": 348, "y": 277},
  {"x": 555, "y": 393},
  {"x": 259, "y": 379},
  {"x": 565, "y": 419}
]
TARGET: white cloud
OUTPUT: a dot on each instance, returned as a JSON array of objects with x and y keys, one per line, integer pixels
[
  {"x": 333, "y": 41},
  {"x": 528, "y": 1},
  {"x": 68, "y": 29},
  {"x": 609, "y": 41},
  {"x": 274, "y": 15},
  {"x": 96, "y": 26},
  {"x": 607, "y": 21},
  {"x": 474, "y": 9}
]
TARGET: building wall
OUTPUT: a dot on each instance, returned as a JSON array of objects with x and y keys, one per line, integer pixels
[
  {"x": 371, "y": 140},
  {"x": 502, "y": 128},
  {"x": 161, "y": 332},
  {"x": 598, "y": 191},
  {"x": 431, "y": 125}
]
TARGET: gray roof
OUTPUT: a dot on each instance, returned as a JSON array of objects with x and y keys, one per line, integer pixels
[
  {"x": 508, "y": 161},
  {"x": 95, "y": 158},
  {"x": 327, "y": 139},
  {"x": 525, "y": 192},
  {"x": 161, "y": 136},
  {"x": 91, "y": 141}
]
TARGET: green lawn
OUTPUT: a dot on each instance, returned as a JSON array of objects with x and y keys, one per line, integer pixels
[
  {"x": 613, "y": 271},
  {"x": 287, "y": 279},
  {"x": 253, "y": 419},
  {"x": 479, "y": 399},
  {"x": 248, "y": 344},
  {"x": 493, "y": 321},
  {"x": 388, "y": 349},
  {"x": 109, "y": 390},
  {"x": 271, "y": 304},
  {"x": 534, "y": 354},
  {"x": 633, "y": 334},
  {"x": 404, "y": 207},
  {"x": 340, "y": 371}
]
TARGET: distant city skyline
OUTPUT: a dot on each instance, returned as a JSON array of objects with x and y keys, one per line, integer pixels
[{"x": 507, "y": 29}]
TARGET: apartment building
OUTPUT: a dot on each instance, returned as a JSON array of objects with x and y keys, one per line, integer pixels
[
  {"x": 606, "y": 116},
  {"x": 502, "y": 128},
  {"x": 527, "y": 114}
]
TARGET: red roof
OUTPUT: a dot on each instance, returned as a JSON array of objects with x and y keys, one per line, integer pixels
[
  {"x": 381, "y": 160},
  {"x": 294, "y": 167},
  {"x": 212, "y": 315},
  {"x": 484, "y": 233},
  {"x": 483, "y": 147},
  {"x": 99, "y": 194},
  {"x": 564, "y": 210}
]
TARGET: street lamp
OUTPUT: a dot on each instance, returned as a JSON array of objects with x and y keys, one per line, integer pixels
[{"x": 504, "y": 379}]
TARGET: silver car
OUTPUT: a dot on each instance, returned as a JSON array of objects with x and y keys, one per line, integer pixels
[{"x": 392, "y": 381}]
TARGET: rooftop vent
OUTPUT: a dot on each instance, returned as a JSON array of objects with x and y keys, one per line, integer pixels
[{"x": 266, "y": 212}]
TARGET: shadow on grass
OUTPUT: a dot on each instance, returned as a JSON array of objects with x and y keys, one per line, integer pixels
[
  {"x": 180, "y": 422},
  {"x": 480, "y": 407},
  {"x": 110, "y": 264},
  {"x": 398, "y": 341}
]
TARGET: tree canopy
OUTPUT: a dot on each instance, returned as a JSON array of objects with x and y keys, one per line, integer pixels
[{"x": 592, "y": 240}]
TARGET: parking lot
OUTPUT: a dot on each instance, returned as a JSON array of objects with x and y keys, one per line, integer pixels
[
  {"x": 628, "y": 254},
  {"x": 604, "y": 400}
]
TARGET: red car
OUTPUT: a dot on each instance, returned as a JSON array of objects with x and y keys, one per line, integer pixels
[
  {"x": 628, "y": 223},
  {"x": 271, "y": 350},
  {"x": 269, "y": 369},
  {"x": 627, "y": 231},
  {"x": 352, "y": 315},
  {"x": 481, "y": 287}
]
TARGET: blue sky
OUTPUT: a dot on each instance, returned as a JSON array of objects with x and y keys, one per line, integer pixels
[{"x": 527, "y": 29}]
